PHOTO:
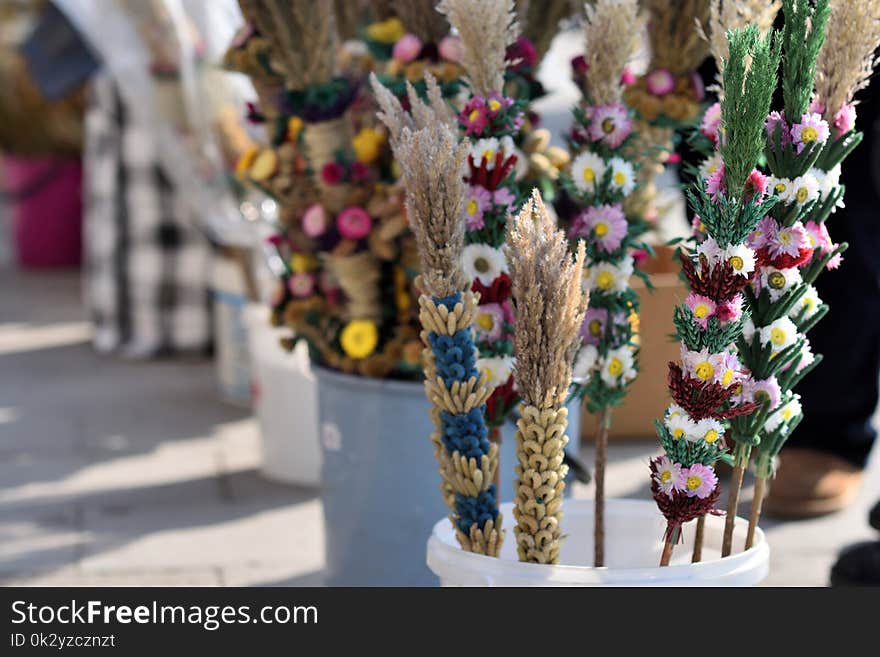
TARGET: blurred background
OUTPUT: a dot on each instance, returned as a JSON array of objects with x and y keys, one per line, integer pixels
[{"x": 153, "y": 430}]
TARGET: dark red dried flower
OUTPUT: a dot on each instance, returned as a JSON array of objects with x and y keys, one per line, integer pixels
[
  {"x": 498, "y": 292},
  {"x": 502, "y": 400},
  {"x": 702, "y": 399},
  {"x": 481, "y": 176},
  {"x": 720, "y": 284},
  {"x": 680, "y": 508}
]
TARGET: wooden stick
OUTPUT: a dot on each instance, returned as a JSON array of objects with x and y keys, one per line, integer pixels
[
  {"x": 743, "y": 451},
  {"x": 668, "y": 546},
  {"x": 755, "y": 513},
  {"x": 601, "y": 452},
  {"x": 698, "y": 540}
]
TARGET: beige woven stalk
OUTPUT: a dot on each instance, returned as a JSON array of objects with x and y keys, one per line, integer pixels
[
  {"x": 323, "y": 140},
  {"x": 358, "y": 276},
  {"x": 540, "y": 482},
  {"x": 460, "y": 475}
]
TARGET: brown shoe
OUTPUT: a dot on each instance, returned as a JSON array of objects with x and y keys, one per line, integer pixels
[{"x": 811, "y": 483}]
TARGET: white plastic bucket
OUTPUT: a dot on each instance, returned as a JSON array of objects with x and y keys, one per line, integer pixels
[
  {"x": 634, "y": 542},
  {"x": 285, "y": 401},
  {"x": 231, "y": 360}
]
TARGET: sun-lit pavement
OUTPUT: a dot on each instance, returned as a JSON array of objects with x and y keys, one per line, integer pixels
[{"x": 130, "y": 473}]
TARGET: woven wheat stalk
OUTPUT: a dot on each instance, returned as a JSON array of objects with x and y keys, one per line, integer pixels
[
  {"x": 323, "y": 140},
  {"x": 358, "y": 276}
]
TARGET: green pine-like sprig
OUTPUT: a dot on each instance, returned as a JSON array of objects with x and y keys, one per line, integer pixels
[{"x": 803, "y": 34}]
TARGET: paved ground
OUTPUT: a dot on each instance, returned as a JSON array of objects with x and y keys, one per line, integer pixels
[{"x": 124, "y": 473}]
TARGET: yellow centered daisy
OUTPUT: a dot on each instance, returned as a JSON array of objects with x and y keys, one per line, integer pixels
[
  {"x": 701, "y": 311},
  {"x": 812, "y": 239},
  {"x": 486, "y": 321},
  {"x": 595, "y": 327},
  {"x": 678, "y": 433},
  {"x": 711, "y": 436},
  {"x": 780, "y": 187},
  {"x": 604, "y": 280},
  {"x": 665, "y": 476},
  {"x": 809, "y": 134},
  {"x": 619, "y": 178},
  {"x": 359, "y": 338},
  {"x": 801, "y": 194},
  {"x": 704, "y": 370},
  {"x": 474, "y": 115},
  {"x": 776, "y": 280},
  {"x": 494, "y": 105},
  {"x": 489, "y": 154},
  {"x": 482, "y": 265},
  {"x": 589, "y": 174},
  {"x": 809, "y": 303},
  {"x": 784, "y": 237},
  {"x": 489, "y": 373},
  {"x": 472, "y": 207},
  {"x": 727, "y": 378},
  {"x": 777, "y": 336},
  {"x": 762, "y": 396},
  {"x": 615, "y": 366},
  {"x": 736, "y": 262},
  {"x": 608, "y": 125},
  {"x": 787, "y": 413},
  {"x": 601, "y": 229},
  {"x": 693, "y": 482},
  {"x": 712, "y": 167}
]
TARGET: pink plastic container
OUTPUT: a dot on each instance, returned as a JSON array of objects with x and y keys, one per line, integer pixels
[{"x": 46, "y": 204}]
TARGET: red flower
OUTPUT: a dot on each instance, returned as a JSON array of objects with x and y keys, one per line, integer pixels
[
  {"x": 498, "y": 292},
  {"x": 784, "y": 261},
  {"x": 500, "y": 402},
  {"x": 679, "y": 508},
  {"x": 703, "y": 399},
  {"x": 332, "y": 173},
  {"x": 480, "y": 175},
  {"x": 359, "y": 171}
]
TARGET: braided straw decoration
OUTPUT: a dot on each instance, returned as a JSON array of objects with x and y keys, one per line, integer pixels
[
  {"x": 322, "y": 141},
  {"x": 358, "y": 275},
  {"x": 460, "y": 475},
  {"x": 540, "y": 440}
]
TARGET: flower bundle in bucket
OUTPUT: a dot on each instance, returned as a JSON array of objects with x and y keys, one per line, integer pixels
[
  {"x": 599, "y": 181},
  {"x": 705, "y": 385}
]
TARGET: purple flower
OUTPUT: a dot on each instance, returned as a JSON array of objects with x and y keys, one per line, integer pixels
[
  {"x": 660, "y": 82},
  {"x": 844, "y": 120},
  {"x": 777, "y": 119},
  {"x": 699, "y": 481},
  {"x": 495, "y": 103},
  {"x": 715, "y": 183},
  {"x": 811, "y": 131},
  {"x": 593, "y": 329},
  {"x": 503, "y": 198},
  {"x": 605, "y": 225},
  {"x": 759, "y": 391},
  {"x": 668, "y": 475},
  {"x": 489, "y": 321},
  {"x": 702, "y": 308},
  {"x": 763, "y": 234},
  {"x": 479, "y": 199},
  {"x": 610, "y": 124},
  {"x": 788, "y": 240}
]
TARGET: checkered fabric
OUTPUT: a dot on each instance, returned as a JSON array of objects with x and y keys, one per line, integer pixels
[{"x": 147, "y": 262}]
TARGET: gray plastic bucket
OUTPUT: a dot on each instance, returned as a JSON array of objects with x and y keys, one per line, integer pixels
[{"x": 381, "y": 489}]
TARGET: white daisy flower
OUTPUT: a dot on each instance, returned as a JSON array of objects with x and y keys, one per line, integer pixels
[
  {"x": 481, "y": 261},
  {"x": 618, "y": 367},
  {"x": 585, "y": 363},
  {"x": 623, "y": 175},
  {"x": 709, "y": 430},
  {"x": 741, "y": 258},
  {"x": 710, "y": 165},
  {"x": 709, "y": 248},
  {"x": 784, "y": 414},
  {"x": 680, "y": 425},
  {"x": 674, "y": 410},
  {"x": 781, "y": 187},
  {"x": 587, "y": 170},
  {"x": 607, "y": 277},
  {"x": 485, "y": 148},
  {"x": 809, "y": 304},
  {"x": 778, "y": 281},
  {"x": 780, "y": 334},
  {"x": 820, "y": 177},
  {"x": 497, "y": 369},
  {"x": 805, "y": 189},
  {"x": 749, "y": 329}
]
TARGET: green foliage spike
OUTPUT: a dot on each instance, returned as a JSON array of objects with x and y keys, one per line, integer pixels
[
  {"x": 802, "y": 36},
  {"x": 749, "y": 81}
]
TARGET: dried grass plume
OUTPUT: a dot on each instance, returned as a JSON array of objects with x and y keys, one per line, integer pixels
[
  {"x": 675, "y": 42},
  {"x": 847, "y": 57},
  {"x": 613, "y": 32},
  {"x": 550, "y": 305},
  {"x": 421, "y": 113},
  {"x": 486, "y": 28}
]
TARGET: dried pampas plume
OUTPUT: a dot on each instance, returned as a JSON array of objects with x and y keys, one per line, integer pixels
[
  {"x": 432, "y": 160},
  {"x": 486, "y": 29},
  {"x": 731, "y": 14},
  {"x": 419, "y": 18},
  {"x": 613, "y": 34},
  {"x": 550, "y": 305},
  {"x": 302, "y": 34},
  {"x": 847, "y": 58},
  {"x": 421, "y": 114},
  {"x": 675, "y": 43}
]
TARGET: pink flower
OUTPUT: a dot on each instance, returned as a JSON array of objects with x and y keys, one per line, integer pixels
[
  {"x": 699, "y": 480},
  {"x": 773, "y": 120},
  {"x": 301, "y": 285},
  {"x": 610, "y": 124},
  {"x": 332, "y": 173},
  {"x": 756, "y": 186},
  {"x": 715, "y": 183},
  {"x": 522, "y": 53},
  {"x": 407, "y": 48},
  {"x": 818, "y": 237},
  {"x": 314, "y": 220},
  {"x": 668, "y": 475},
  {"x": 810, "y": 132},
  {"x": 711, "y": 122},
  {"x": 354, "y": 223},
  {"x": 760, "y": 391},
  {"x": 474, "y": 117},
  {"x": 660, "y": 82},
  {"x": 844, "y": 120},
  {"x": 606, "y": 224},
  {"x": 593, "y": 329},
  {"x": 627, "y": 77},
  {"x": 503, "y": 198},
  {"x": 788, "y": 240},
  {"x": 489, "y": 321},
  {"x": 451, "y": 49},
  {"x": 763, "y": 234},
  {"x": 579, "y": 64},
  {"x": 702, "y": 308},
  {"x": 699, "y": 86},
  {"x": 835, "y": 262},
  {"x": 479, "y": 199},
  {"x": 495, "y": 102},
  {"x": 640, "y": 256},
  {"x": 729, "y": 311}
]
